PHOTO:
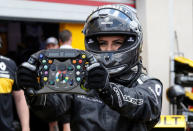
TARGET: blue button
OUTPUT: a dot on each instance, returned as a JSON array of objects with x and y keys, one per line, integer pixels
[
  {"x": 70, "y": 82},
  {"x": 41, "y": 56}
]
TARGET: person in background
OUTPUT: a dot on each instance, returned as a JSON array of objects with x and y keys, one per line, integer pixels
[
  {"x": 65, "y": 39},
  {"x": 52, "y": 43},
  {"x": 9, "y": 89}
]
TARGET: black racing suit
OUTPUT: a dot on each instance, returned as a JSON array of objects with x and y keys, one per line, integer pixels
[
  {"x": 7, "y": 84},
  {"x": 118, "y": 108}
]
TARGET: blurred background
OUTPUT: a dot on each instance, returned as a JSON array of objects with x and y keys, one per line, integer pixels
[{"x": 25, "y": 25}]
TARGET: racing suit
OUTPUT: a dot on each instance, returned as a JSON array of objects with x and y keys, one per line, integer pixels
[
  {"x": 7, "y": 78},
  {"x": 133, "y": 107}
]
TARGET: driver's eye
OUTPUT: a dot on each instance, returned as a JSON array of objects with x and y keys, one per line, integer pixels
[
  {"x": 118, "y": 43},
  {"x": 102, "y": 43}
]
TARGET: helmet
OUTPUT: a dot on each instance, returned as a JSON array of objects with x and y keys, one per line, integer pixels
[
  {"x": 111, "y": 20},
  {"x": 175, "y": 94}
]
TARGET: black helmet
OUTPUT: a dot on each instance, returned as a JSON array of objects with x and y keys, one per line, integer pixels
[
  {"x": 175, "y": 94},
  {"x": 114, "y": 20}
]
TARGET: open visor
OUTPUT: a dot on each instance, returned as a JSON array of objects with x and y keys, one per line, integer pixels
[{"x": 129, "y": 42}]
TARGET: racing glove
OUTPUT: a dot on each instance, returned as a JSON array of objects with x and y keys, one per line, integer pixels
[
  {"x": 27, "y": 80},
  {"x": 27, "y": 77},
  {"x": 97, "y": 77}
]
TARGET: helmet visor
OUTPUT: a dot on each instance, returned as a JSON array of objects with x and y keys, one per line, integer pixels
[
  {"x": 108, "y": 21},
  {"x": 108, "y": 12},
  {"x": 116, "y": 44}
]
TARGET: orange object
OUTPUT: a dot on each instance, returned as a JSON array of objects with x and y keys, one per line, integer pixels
[
  {"x": 50, "y": 61},
  {"x": 74, "y": 61}
]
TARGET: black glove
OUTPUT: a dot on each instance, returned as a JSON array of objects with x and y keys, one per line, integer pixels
[
  {"x": 97, "y": 77},
  {"x": 27, "y": 78}
]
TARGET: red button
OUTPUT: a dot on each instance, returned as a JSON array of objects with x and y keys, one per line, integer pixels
[{"x": 80, "y": 61}]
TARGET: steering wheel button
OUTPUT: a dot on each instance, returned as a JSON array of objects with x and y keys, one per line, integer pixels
[
  {"x": 45, "y": 67},
  {"x": 41, "y": 56},
  {"x": 78, "y": 67},
  {"x": 80, "y": 61},
  {"x": 53, "y": 67},
  {"x": 45, "y": 78},
  {"x": 46, "y": 72},
  {"x": 51, "y": 82},
  {"x": 74, "y": 61},
  {"x": 70, "y": 68},
  {"x": 50, "y": 61},
  {"x": 70, "y": 82},
  {"x": 66, "y": 78},
  {"x": 78, "y": 78},
  {"x": 83, "y": 56},
  {"x": 78, "y": 73},
  {"x": 44, "y": 61}
]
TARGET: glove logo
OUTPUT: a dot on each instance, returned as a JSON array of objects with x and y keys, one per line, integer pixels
[{"x": 2, "y": 66}]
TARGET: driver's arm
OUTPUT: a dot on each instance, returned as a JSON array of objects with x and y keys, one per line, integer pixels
[{"x": 140, "y": 103}]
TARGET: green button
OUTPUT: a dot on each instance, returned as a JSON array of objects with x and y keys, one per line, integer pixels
[
  {"x": 69, "y": 68},
  {"x": 45, "y": 67},
  {"x": 78, "y": 67},
  {"x": 43, "y": 61},
  {"x": 51, "y": 82}
]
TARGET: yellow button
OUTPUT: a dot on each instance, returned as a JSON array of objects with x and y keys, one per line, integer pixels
[
  {"x": 45, "y": 78},
  {"x": 83, "y": 56},
  {"x": 57, "y": 80},
  {"x": 66, "y": 78}
]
